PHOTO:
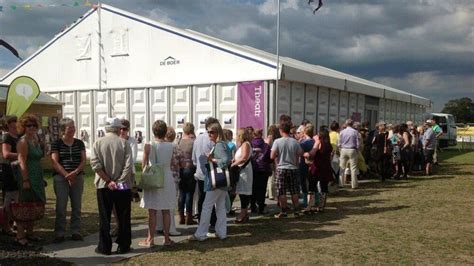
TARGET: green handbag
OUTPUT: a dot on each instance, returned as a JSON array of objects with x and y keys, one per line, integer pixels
[{"x": 153, "y": 175}]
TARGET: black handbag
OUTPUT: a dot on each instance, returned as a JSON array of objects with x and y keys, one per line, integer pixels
[
  {"x": 235, "y": 171},
  {"x": 219, "y": 177}
]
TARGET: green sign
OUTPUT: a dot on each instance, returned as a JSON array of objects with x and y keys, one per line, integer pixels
[{"x": 21, "y": 94}]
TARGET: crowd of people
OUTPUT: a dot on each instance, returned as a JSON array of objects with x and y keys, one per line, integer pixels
[{"x": 291, "y": 160}]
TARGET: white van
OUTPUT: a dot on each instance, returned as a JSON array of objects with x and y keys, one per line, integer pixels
[{"x": 447, "y": 123}]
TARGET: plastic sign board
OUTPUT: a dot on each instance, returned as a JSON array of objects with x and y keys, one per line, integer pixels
[{"x": 22, "y": 92}]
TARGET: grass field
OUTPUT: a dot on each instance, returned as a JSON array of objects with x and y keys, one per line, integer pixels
[
  {"x": 424, "y": 220},
  {"x": 427, "y": 220}
]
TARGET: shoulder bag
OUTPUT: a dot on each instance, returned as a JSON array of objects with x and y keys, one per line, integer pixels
[{"x": 153, "y": 175}]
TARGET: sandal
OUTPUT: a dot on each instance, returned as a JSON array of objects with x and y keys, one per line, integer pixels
[
  {"x": 171, "y": 243},
  {"x": 145, "y": 244},
  {"x": 22, "y": 242},
  {"x": 281, "y": 215}
]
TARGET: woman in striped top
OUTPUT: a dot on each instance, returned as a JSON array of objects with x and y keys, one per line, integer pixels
[{"x": 68, "y": 156}]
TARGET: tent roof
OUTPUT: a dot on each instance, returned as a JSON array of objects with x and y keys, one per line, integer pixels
[
  {"x": 290, "y": 69},
  {"x": 43, "y": 98}
]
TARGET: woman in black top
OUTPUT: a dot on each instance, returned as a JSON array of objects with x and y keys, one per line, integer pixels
[
  {"x": 383, "y": 151},
  {"x": 68, "y": 156},
  {"x": 10, "y": 184}
]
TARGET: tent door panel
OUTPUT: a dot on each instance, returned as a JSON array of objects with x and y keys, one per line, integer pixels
[
  {"x": 297, "y": 102},
  {"x": 101, "y": 103},
  {"x": 158, "y": 106},
  {"x": 311, "y": 100},
  {"x": 343, "y": 107},
  {"x": 203, "y": 102},
  {"x": 180, "y": 106},
  {"x": 84, "y": 119},
  {"x": 226, "y": 107},
  {"x": 119, "y": 103},
  {"x": 361, "y": 107},
  {"x": 284, "y": 99},
  {"x": 352, "y": 104},
  {"x": 138, "y": 113},
  {"x": 323, "y": 107},
  {"x": 382, "y": 109},
  {"x": 333, "y": 105}
]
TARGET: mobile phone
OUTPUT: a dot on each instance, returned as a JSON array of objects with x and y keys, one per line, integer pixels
[{"x": 122, "y": 186}]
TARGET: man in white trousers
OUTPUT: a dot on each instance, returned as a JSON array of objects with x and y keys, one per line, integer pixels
[{"x": 348, "y": 144}]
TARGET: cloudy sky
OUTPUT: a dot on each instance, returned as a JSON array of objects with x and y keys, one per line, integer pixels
[{"x": 424, "y": 47}]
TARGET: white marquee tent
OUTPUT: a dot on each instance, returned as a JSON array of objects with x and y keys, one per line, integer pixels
[{"x": 146, "y": 70}]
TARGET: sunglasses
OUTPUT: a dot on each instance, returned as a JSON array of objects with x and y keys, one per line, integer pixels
[
  {"x": 31, "y": 125},
  {"x": 211, "y": 132},
  {"x": 124, "y": 128}
]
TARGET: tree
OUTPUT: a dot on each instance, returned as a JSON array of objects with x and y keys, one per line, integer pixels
[{"x": 462, "y": 109}]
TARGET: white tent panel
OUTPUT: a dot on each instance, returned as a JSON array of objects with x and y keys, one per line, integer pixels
[
  {"x": 388, "y": 111},
  {"x": 284, "y": 98},
  {"x": 333, "y": 105},
  {"x": 180, "y": 106},
  {"x": 399, "y": 112},
  {"x": 393, "y": 112},
  {"x": 311, "y": 103},
  {"x": 101, "y": 104},
  {"x": 323, "y": 107},
  {"x": 226, "y": 106},
  {"x": 138, "y": 110},
  {"x": 361, "y": 107},
  {"x": 159, "y": 98},
  {"x": 203, "y": 102},
  {"x": 352, "y": 104},
  {"x": 119, "y": 103},
  {"x": 343, "y": 107},
  {"x": 84, "y": 119},
  {"x": 69, "y": 107},
  {"x": 297, "y": 102},
  {"x": 382, "y": 109}
]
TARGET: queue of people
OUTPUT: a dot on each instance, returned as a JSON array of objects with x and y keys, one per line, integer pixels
[{"x": 291, "y": 160}]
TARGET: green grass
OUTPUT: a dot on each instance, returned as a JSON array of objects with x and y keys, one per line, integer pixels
[
  {"x": 90, "y": 213},
  {"x": 424, "y": 220}
]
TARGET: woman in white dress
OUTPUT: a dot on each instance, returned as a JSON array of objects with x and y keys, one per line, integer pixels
[
  {"x": 161, "y": 199},
  {"x": 244, "y": 186}
]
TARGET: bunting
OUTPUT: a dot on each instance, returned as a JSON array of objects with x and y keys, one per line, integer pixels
[{"x": 31, "y": 6}]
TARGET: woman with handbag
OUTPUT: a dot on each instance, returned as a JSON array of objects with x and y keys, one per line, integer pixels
[
  {"x": 68, "y": 156},
  {"x": 242, "y": 161},
  {"x": 219, "y": 155},
  {"x": 30, "y": 181},
  {"x": 163, "y": 199}
]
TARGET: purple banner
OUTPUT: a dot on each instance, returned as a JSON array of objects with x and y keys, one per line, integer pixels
[{"x": 250, "y": 104}]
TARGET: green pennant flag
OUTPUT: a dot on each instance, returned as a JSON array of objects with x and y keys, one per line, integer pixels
[{"x": 21, "y": 94}]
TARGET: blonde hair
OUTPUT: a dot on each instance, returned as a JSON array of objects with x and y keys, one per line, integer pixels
[
  {"x": 309, "y": 130},
  {"x": 217, "y": 127},
  {"x": 243, "y": 135}
]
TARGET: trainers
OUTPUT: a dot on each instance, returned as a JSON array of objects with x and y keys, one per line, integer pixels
[
  {"x": 193, "y": 237},
  {"x": 281, "y": 215}
]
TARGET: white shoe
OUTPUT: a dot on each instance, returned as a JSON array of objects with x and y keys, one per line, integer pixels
[
  {"x": 213, "y": 235},
  {"x": 175, "y": 233},
  {"x": 193, "y": 237}
]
